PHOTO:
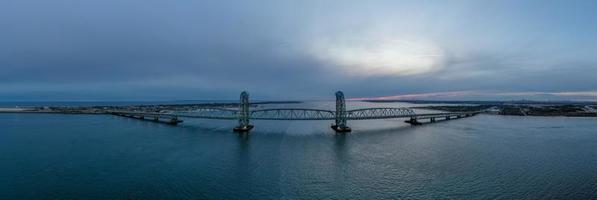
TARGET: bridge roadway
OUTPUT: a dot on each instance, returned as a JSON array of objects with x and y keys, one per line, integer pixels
[{"x": 340, "y": 115}]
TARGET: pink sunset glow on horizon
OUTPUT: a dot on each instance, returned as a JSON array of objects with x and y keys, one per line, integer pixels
[{"x": 480, "y": 95}]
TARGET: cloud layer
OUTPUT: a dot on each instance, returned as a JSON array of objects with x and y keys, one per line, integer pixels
[{"x": 134, "y": 50}]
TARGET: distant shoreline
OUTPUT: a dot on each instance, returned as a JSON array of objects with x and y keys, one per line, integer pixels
[
  {"x": 521, "y": 102},
  {"x": 523, "y": 110},
  {"x": 144, "y": 108},
  {"x": 512, "y": 109}
]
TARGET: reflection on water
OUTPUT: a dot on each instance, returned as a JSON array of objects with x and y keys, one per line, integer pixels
[
  {"x": 339, "y": 149},
  {"x": 483, "y": 157}
]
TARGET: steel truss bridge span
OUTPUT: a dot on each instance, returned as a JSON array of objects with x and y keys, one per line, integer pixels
[
  {"x": 318, "y": 114},
  {"x": 287, "y": 114},
  {"x": 244, "y": 114},
  {"x": 292, "y": 114}
]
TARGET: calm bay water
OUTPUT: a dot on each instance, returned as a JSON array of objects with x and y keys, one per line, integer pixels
[{"x": 47, "y": 156}]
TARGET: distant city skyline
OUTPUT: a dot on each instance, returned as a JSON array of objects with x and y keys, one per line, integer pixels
[{"x": 291, "y": 50}]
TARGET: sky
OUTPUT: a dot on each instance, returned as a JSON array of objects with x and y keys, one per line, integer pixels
[{"x": 88, "y": 50}]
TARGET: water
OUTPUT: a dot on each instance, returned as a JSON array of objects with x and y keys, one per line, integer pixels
[{"x": 46, "y": 156}]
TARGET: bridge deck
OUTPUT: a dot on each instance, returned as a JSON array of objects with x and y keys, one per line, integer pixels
[{"x": 299, "y": 114}]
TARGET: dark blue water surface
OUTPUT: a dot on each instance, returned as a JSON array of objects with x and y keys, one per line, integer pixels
[{"x": 46, "y": 156}]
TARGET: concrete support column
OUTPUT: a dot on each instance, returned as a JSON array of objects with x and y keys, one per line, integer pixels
[
  {"x": 174, "y": 121},
  {"x": 413, "y": 121}
]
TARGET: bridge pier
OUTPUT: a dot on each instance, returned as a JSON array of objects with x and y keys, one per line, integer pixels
[
  {"x": 413, "y": 121},
  {"x": 341, "y": 115},
  {"x": 243, "y": 114},
  {"x": 172, "y": 121},
  {"x": 438, "y": 117}
]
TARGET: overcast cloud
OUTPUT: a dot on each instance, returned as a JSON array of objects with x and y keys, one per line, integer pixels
[{"x": 166, "y": 50}]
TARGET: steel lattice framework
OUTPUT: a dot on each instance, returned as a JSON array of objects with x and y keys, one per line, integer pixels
[
  {"x": 296, "y": 114},
  {"x": 292, "y": 114},
  {"x": 243, "y": 114},
  {"x": 379, "y": 113},
  {"x": 288, "y": 114}
]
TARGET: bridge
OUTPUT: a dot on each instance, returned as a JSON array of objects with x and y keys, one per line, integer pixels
[{"x": 340, "y": 116}]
